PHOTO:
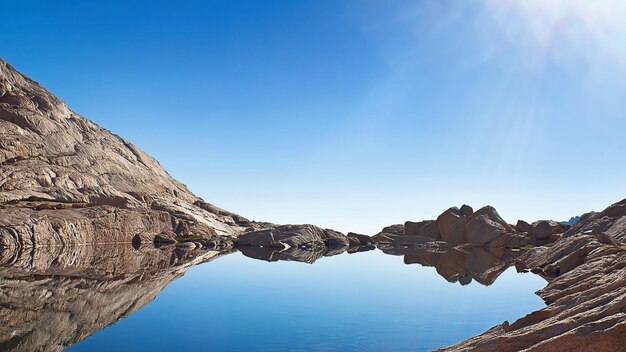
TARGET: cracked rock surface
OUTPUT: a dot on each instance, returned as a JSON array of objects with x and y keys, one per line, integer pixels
[{"x": 59, "y": 171}]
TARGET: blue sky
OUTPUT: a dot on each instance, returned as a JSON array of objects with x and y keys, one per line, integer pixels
[{"x": 350, "y": 115}]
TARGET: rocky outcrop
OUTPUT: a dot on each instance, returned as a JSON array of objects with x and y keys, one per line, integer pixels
[
  {"x": 542, "y": 231},
  {"x": 459, "y": 227},
  {"x": 464, "y": 226},
  {"x": 305, "y": 243},
  {"x": 59, "y": 170},
  {"x": 585, "y": 296}
]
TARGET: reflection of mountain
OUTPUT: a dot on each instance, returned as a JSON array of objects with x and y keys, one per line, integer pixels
[{"x": 55, "y": 297}]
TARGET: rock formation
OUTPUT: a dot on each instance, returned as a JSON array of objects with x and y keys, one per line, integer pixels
[
  {"x": 585, "y": 296},
  {"x": 464, "y": 226},
  {"x": 65, "y": 180}
]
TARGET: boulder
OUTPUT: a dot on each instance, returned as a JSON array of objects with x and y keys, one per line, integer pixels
[
  {"x": 426, "y": 228},
  {"x": 542, "y": 229},
  {"x": 451, "y": 226},
  {"x": 388, "y": 234},
  {"x": 493, "y": 215},
  {"x": 359, "y": 243},
  {"x": 466, "y": 210},
  {"x": 358, "y": 239},
  {"x": 481, "y": 231},
  {"x": 523, "y": 226}
]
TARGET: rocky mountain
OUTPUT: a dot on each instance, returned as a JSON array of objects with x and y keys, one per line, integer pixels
[{"x": 64, "y": 179}]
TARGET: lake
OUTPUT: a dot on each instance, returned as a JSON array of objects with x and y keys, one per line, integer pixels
[{"x": 122, "y": 299}]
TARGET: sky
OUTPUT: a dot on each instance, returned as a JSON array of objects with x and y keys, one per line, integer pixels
[{"x": 351, "y": 115}]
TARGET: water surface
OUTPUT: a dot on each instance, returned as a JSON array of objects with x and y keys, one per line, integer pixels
[{"x": 350, "y": 302}]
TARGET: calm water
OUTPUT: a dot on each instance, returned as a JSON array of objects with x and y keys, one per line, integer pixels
[{"x": 350, "y": 302}]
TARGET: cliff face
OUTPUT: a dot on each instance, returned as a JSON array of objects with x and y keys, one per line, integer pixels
[{"x": 52, "y": 158}]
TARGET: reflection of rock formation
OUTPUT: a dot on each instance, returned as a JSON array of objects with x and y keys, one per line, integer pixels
[
  {"x": 305, "y": 255},
  {"x": 481, "y": 264},
  {"x": 55, "y": 297},
  {"x": 302, "y": 243}
]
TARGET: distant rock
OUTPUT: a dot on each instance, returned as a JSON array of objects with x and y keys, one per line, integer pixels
[
  {"x": 293, "y": 236},
  {"x": 573, "y": 220},
  {"x": 426, "y": 228}
]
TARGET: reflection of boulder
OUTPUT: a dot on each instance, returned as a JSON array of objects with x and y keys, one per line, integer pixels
[
  {"x": 404, "y": 244},
  {"x": 481, "y": 264},
  {"x": 295, "y": 254},
  {"x": 290, "y": 254},
  {"x": 54, "y": 297},
  {"x": 360, "y": 243}
]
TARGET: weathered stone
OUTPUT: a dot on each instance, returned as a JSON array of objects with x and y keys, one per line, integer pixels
[
  {"x": 542, "y": 229},
  {"x": 493, "y": 215},
  {"x": 481, "y": 231},
  {"x": 426, "y": 228},
  {"x": 451, "y": 225},
  {"x": 388, "y": 234},
  {"x": 466, "y": 210},
  {"x": 523, "y": 226}
]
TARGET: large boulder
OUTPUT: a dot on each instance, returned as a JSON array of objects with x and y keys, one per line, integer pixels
[
  {"x": 482, "y": 231},
  {"x": 466, "y": 210},
  {"x": 523, "y": 226},
  {"x": 426, "y": 228},
  {"x": 493, "y": 215},
  {"x": 451, "y": 226},
  {"x": 542, "y": 229}
]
